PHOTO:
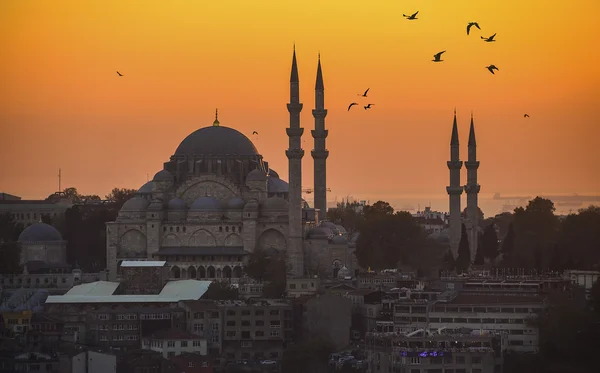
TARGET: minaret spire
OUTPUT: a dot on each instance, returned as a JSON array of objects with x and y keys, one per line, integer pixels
[
  {"x": 320, "y": 152},
  {"x": 472, "y": 190},
  {"x": 454, "y": 190},
  {"x": 295, "y": 251}
]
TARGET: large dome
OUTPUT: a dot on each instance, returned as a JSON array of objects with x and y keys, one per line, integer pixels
[
  {"x": 216, "y": 140},
  {"x": 40, "y": 232}
]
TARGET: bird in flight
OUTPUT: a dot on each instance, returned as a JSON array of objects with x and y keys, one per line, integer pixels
[
  {"x": 119, "y": 73},
  {"x": 526, "y": 116},
  {"x": 492, "y": 68},
  {"x": 254, "y": 133},
  {"x": 412, "y": 16},
  {"x": 438, "y": 57},
  {"x": 369, "y": 106},
  {"x": 471, "y": 24},
  {"x": 365, "y": 94},
  {"x": 490, "y": 39},
  {"x": 352, "y": 104}
]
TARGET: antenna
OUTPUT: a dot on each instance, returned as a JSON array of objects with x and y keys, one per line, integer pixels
[{"x": 59, "y": 181}]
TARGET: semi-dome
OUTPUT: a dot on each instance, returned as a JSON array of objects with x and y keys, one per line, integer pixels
[
  {"x": 276, "y": 204},
  {"x": 176, "y": 204},
  {"x": 276, "y": 185},
  {"x": 206, "y": 203},
  {"x": 256, "y": 175},
  {"x": 146, "y": 188},
  {"x": 331, "y": 226},
  {"x": 273, "y": 173},
  {"x": 136, "y": 203},
  {"x": 40, "y": 232},
  {"x": 163, "y": 175},
  {"x": 216, "y": 140},
  {"x": 320, "y": 233},
  {"x": 236, "y": 203}
]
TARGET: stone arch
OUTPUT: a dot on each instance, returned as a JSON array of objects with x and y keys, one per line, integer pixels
[
  {"x": 175, "y": 272},
  {"x": 210, "y": 272},
  {"x": 202, "y": 237},
  {"x": 234, "y": 239},
  {"x": 201, "y": 272},
  {"x": 191, "y": 272},
  {"x": 272, "y": 239},
  {"x": 207, "y": 185},
  {"x": 183, "y": 272},
  {"x": 227, "y": 272},
  {"x": 132, "y": 244},
  {"x": 238, "y": 272},
  {"x": 171, "y": 240},
  {"x": 219, "y": 273}
]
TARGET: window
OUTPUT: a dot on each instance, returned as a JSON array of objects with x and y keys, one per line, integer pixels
[
  {"x": 198, "y": 327},
  {"x": 275, "y": 333},
  {"x": 246, "y": 313},
  {"x": 230, "y": 313},
  {"x": 260, "y": 323},
  {"x": 259, "y": 312},
  {"x": 274, "y": 312},
  {"x": 230, "y": 333},
  {"x": 198, "y": 315},
  {"x": 197, "y": 343},
  {"x": 259, "y": 333},
  {"x": 231, "y": 323},
  {"x": 184, "y": 343},
  {"x": 292, "y": 286},
  {"x": 103, "y": 316},
  {"x": 245, "y": 323},
  {"x": 275, "y": 324},
  {"x": 190, "y": 365},
  {"x": 171, "y": 344}
]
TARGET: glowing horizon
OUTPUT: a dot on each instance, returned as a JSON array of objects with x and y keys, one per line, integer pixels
[{"x": 64, "y": 106}]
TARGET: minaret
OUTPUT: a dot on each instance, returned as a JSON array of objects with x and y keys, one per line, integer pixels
[
  {"x": 294, "y": 154},
  {"x": 472, "y": 191},
  {"x": 320, "y": 153},
  {"x": 454, "y": 190}
]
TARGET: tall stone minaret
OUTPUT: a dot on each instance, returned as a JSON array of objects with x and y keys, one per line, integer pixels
[
  {"x": 472, "y": 191},
  {"x": 454, "y": 190},
  {"x": 320, "y": 153},
  {"x": 294, "y": 154}
]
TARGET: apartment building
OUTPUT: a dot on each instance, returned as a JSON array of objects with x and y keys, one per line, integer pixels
[
  {"x": 204, "y": 318},
  {"x": 173, "y": 342}
]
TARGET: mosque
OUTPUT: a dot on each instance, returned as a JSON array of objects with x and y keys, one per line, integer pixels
[{"x": 216, "y": 201}]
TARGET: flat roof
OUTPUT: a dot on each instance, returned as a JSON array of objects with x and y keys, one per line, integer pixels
[
  {"x": 143, "y": 263},
  {"x": 102, "y": 292}
]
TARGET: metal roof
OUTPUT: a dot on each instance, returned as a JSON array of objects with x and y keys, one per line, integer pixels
[
  {"x": 143, "y": 263},
  {"x": 100, "y": 292}
]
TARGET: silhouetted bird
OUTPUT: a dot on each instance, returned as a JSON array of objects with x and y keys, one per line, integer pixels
[
  {"x": 365, "y": 94},
  {"x": 119, "y": 73},
  {"x": 471, "y": 24},
  {"x": 438, "y": 57},
  {"x": 491, "y": 68},
  {"x": 491, "y": 38},
  {"x": 412, "y": 16},
  {"x": 526, "y": 116},
  {"x": 369, "y": 106},
  {"x": 352, "y": 104},
  {"x": 254, "y": 133}
]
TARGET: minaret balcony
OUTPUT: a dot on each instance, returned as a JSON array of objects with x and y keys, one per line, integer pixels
[
  {"x": 454, "y": 190},
  {"x": 472, "y": 165},
  {"x": 294, "y": 132},
  {"x": 319, "y": 113},
  {"x": 320, "y": 154},
  {"x": 319, "y": 134},
  {"x": 472, "y": 188},
  {"x": 294, "y": 153},
  {"x": 454, "y": 165},
  {"x": 294, "y": 107}
]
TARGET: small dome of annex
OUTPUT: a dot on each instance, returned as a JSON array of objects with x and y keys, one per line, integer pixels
[
  {"x": 176, "y": 204},
  {"x": 163, "y": 175},
  {"x": 339, "y": 240},
  {"x": 275, "y": 204},
  {"x": 320, "y": 233},
  {"x": 136, "y": 203},
  {"x": 206, "y": 203},
  {"x": 251, "y": 205},
  {"x": 331, "y": 226},
  {"x": 236, "y": 203},
  {"x": 146, "y": 188},
  {"x": 256, "y": 175},
  {"x": 40, "y": 232}
]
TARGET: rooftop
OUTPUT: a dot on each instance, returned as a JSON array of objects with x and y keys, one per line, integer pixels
[
  {"x": 484, "y": 299},
  {"x": 143, "y": 263}
]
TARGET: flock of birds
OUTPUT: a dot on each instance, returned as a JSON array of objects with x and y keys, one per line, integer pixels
[{"x": 438, "y": 56}]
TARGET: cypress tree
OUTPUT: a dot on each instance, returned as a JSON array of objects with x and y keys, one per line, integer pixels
[{"x": 463, "y": 261}]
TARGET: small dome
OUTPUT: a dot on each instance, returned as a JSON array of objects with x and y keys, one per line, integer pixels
[
  {"x": 320, "y": 233},
  {"x": 40, "y": 232},
  {"x": 176, "y": 204},
  {"x": 206, "y": 203},
  {"x": 256, "y": 175},
  {"x": 339, "y": 240},
  {"x": 146, "y": 188},
  {"x": 330, "y": 225},
  {"x": 276, "y": 185},
  {"x": 341, "y": 229},
  {"x": 343, "y": 273},
  {"x": 156, "y": 205},
  {"x": 273, "y": 174},
  {"x": 275, "y": 204},
  {"x": 236, "y": 203},
  {"x": 252, "y": 205},
  {"x": 135, "y": 204},
  {"x": 163, "y": 175}
]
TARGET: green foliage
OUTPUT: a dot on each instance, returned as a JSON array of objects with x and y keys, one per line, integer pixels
[
  {"x": 463, "y": 260},
  {"x": 448, "y": 262},
  {"x": 220, "y": 290},
  {"x": 310, "y": 356},
  {"x": 508, "y": 246},
  {"x": 479, "y": 260},
  {"x": 489, "y": 242},
  {"x": 10, "y": 252},
  {"x": 386, "y": 238},
  {"x": 579, "y": 241},
  {"x": 347, "y": 215},
  {"x": 120, "y": 195},
  {"x": 595, "y": 297},
  {"x": 73, "y": 195},
  {"x": 270, "y": 269},
  {"x": 46, "y": 218}
]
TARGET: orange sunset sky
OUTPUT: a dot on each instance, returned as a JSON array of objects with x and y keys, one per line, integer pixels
[{"x": 62, "y": 104}]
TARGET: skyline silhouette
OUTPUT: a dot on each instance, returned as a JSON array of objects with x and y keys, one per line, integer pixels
[{"x": 64, "y": 106}]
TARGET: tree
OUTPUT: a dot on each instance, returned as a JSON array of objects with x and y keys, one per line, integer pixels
[
  {"x": 120, "y": 195},
  {"x": 489, "y": 242},
  {"x": 448, "y": 261},
  {"x": 46, "y": 218},
  {"x": 463, "y": 261},
  {"x": 508, "y": 246},
  {"x": 310, "y": 356},
  {"x": 219, "y": 290},
  {"x": 346, "y": 214},
  {"x": 270, "y": 269},
  {"x": 73, "y": 195},
  {"x": 579, "y": 241},
  {"x": 386, "y": 238},
  {"x": 479, "y": 260},
  {"x": 595, "y": 297},
  {"x": 10, "y": 248}
]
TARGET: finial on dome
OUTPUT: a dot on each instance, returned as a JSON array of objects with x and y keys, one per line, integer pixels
[{"x": 216, "y": 122}]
